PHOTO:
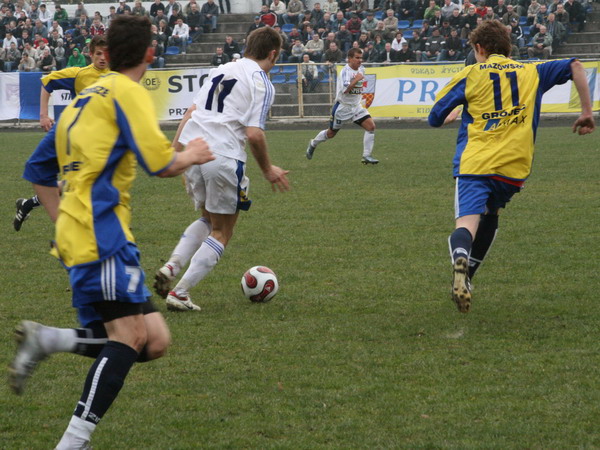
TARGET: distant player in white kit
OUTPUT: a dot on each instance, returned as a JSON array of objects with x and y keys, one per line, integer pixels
[
  {"x": 231, "y": 107},
  {"x": 348, "y": 107}
]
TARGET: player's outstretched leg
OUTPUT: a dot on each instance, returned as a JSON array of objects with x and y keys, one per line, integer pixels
[
  {"x": 24, "y": 207},
  {"x": 312, "y": 144}
]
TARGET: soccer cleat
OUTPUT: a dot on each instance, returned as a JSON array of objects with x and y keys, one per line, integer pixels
[
  {"x": 163, "y": 279},
  {"x": 369, "y": 160},
  {"x": 180, "y": 303},
  {"x": 310, "y": 150},
  {"x": 461, "y": 285},
  {"x": 22, "y": 213},
  {"x": 29, "y": 354}
]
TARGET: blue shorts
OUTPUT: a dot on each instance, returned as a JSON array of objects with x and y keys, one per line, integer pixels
[
  {"x": 477, "y": 195},
  {"x": 118, "y": 278}
]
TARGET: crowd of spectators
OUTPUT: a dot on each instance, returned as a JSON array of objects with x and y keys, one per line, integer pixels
[
  {"x": 391, "y": 31},
  {"x": 37, "y": 36}
]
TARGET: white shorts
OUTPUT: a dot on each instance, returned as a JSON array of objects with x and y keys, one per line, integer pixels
[
  {"x": 220, "y": 186},
  {"x": 341, "y": 114}
]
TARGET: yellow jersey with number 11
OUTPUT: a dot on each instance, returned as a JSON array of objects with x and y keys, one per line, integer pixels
[{"x": 502, "y": 100}]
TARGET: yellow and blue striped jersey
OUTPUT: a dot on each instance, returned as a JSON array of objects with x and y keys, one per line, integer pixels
[
  {"x": 501, "y": 101},
  {"x": 100, "y": 137},
  {"x": 73, "y": 79}
]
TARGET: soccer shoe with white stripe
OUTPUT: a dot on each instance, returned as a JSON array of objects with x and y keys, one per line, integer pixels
[
  {"x": 29, "y": 354},
  {"x": 180, "y": 303},
  {"x": 22, "y": 213},
  {"x": 163, "y": 279},
  {"x": 310, "y": 150},
  {"x": 369, "y": 160},
  {"x": 461, "y": 285}
]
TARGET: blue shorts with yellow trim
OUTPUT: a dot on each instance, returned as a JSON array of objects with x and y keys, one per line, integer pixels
[
  {"x": 117, "y": 278},
  {"x": 477, "y": 195}
]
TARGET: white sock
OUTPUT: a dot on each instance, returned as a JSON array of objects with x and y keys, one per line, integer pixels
[
  {"x": 321, "y": 137},
  {"x": 368, "y": 142},
  {"x": 77, "y": 434},
  {"x": 203, "y": 261},
  {"x": 54, "y": 340},
  {"x": 191, "y": 240}
]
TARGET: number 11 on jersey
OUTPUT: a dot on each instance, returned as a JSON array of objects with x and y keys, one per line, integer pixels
[{"x": 226, "y": 88}]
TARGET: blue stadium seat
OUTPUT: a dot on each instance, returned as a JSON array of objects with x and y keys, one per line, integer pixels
[
  {"x": 523, "y": 20},
  {"x": 173, "y": 50},
  {"x": 417, "y": 23},
  {"x": 407, "y": 34},
  {"x": 286, "y": 28},
  {"x": 293, "y": 79},
  {"x": 289, "y": 69},
  {"x": 278, "y": 79},
  {"x": 275, "y": 70},
  {"x": 403, "y": 24},
  {"x": 379, "y": 15},
  {"x": 526, "y": 30}
]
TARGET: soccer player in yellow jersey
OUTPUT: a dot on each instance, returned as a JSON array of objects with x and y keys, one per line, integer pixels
[
  {"x": 73, "y": 79},
  {"x": 501, "y": 101},
  {"x": 101, "y": 136}
]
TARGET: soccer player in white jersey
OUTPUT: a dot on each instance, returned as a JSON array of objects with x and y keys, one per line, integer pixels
[
  {"x": 230, "y": 109},
  {"x": 348, "y": 107}
]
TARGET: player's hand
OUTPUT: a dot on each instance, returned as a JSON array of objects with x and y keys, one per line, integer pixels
[
  {"x": 584, "y": 125},
  {"x": 277, "y": 177},
  {"x": 200, "y": 152},
  {"x": 359, "y": 76},
  {"x": 46, "y": 123}
]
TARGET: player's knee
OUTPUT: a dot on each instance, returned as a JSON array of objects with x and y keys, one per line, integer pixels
[
  {"x": 157, "y": 347},
  {"x": 331, "y": 133}
]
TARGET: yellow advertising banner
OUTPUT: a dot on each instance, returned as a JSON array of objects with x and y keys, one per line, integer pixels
[{"x": 409, "y": 90}]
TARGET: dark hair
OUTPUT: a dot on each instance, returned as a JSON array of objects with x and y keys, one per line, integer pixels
[
  {"x": 128, "y": 39},
  {"x": 261, "y": 42},
  {"x": 97, "y": 41},
  {"x": 493, "y": 37},
  {"x": 353, "y": 51}
]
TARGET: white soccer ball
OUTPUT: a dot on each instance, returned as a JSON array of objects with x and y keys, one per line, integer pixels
[{"x": 260, "y": 284}]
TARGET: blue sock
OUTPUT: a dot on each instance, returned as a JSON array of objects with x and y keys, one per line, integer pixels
[{"x": 460, "y": 244}]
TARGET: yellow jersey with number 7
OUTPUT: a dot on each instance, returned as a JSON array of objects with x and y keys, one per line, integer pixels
[{"x": 100, "y": 137}]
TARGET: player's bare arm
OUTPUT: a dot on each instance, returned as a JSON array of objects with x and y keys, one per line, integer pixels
[
  {"x": 196, "y": 152},
  {"x": 585, "y": 123},
  {"x": 46, "y": 121},
  {"x": 50, "y": 198},
  {"x": 274, "y": 175},
  {"x": 188, "y": 114},
  {"x": 453, "y": 115}
]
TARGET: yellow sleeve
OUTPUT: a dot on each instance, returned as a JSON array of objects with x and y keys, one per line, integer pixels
[
  {"x": 61, "y": 79},
  {"x": 138, "y": 124}
]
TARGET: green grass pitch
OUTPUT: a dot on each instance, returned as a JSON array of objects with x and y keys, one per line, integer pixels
[{"x": 362, "y": 347}]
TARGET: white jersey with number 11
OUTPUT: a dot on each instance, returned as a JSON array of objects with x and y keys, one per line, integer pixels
[{"x": 234, "y": 96}]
